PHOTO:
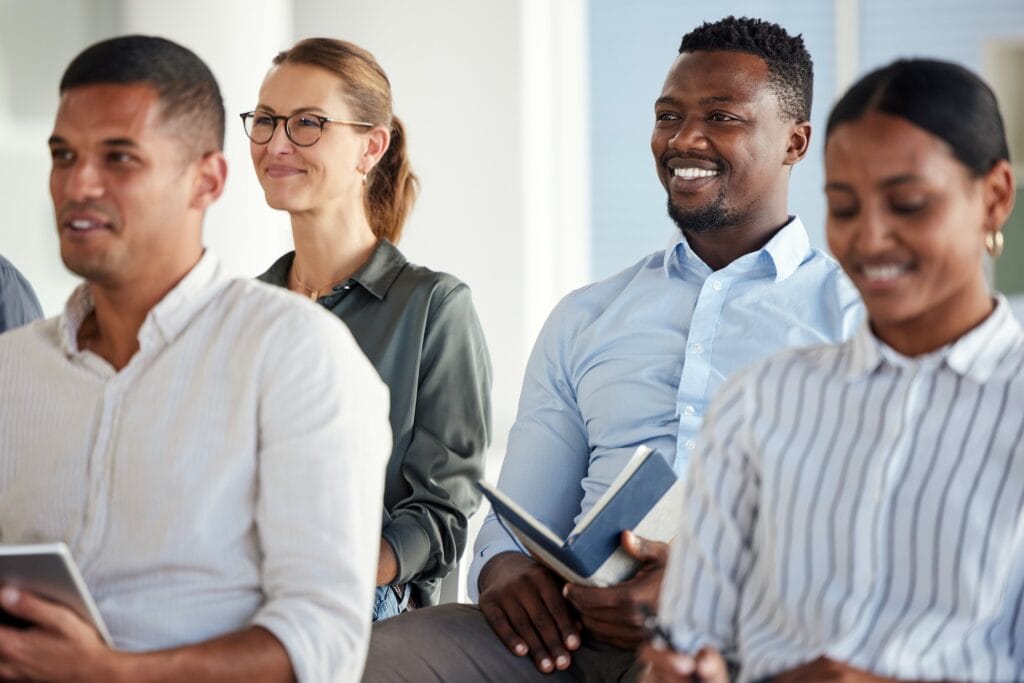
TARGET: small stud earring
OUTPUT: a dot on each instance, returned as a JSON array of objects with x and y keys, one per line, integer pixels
[{"x": 994, "y": 243}]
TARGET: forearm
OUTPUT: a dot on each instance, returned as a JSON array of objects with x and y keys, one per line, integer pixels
[
  {"x": 428, "y": 528},
  {"x": 252, "y": 655},
  {"x": 387, "y": 564}
]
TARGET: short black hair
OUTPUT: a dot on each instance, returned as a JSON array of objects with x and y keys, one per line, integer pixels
[
  {"x": 186, "y": 87},
  {"x": 945, "y": 99},
  {"x": 790, "y": 69}
]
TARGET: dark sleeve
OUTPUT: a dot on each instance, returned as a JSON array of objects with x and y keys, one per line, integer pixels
[
  {"x": 18, "y": 303},
  {"x": 451, "y": 430}
]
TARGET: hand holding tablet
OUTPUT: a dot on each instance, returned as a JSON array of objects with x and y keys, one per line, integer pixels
[{"x": 48, "y": 571}]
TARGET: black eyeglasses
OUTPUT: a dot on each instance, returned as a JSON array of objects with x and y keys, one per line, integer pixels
[{"x": 302, "y": 129}]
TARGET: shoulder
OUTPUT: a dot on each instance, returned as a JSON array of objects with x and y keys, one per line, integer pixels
[
  {"x": 9, "y": 274},
  {"x": 582, "y": 306},
  {"x": 822, "y": 268},
  {"x": 39, "y": 339},
  {"x": 437, "y": 284},
  {"x": 824, "y": 287},
  {"x": 6, "y": 267},
  {"x": 439, "y": 295}
]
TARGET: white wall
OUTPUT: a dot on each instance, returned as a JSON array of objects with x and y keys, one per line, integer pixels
[{"x": 239, "y": 228}]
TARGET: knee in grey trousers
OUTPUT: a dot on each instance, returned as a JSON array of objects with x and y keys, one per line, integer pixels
[{"x": 453, "y": 644}]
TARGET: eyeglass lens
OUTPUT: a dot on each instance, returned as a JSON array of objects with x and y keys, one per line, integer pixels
[{"x": 302, "y": 129}]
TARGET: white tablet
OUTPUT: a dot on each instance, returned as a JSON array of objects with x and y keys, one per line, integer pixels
[{"x": 49, "y": 571}]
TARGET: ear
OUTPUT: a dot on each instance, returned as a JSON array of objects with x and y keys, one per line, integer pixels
[
  {"x": 1000, "y": 193},
  {"x": 799, "y": 141},
  {"x": 377, "y": 142},
  {"x": 212, "y": 173}
]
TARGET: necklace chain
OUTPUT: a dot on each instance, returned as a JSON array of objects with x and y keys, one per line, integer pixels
[{"x": 312, "y": 293}]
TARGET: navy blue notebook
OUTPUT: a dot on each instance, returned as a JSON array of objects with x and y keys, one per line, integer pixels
[{"x": 645, "y": 498}]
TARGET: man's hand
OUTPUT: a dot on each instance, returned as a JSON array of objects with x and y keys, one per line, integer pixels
[
  {"x": 615, "y": 615},
  {"x": 61, "y": 647},
  {"x": 825, "y": 669},
  {"x": 523, "y": 603},
  {"x": 668, "y": 666}
]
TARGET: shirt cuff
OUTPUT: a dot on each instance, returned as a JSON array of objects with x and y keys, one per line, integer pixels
[
  {"x": 411, "y": 545},
  {"x": 492, "y": 540},
  {"x": 334, "y": 658}
]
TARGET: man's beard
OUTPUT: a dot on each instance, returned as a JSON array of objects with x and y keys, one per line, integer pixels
[{"x": 712, "y": 216}]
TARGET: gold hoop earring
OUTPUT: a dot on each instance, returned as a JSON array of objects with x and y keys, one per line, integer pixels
[
  {"x": 364, "y": 178},
  {"x": 994, "y": 243}
]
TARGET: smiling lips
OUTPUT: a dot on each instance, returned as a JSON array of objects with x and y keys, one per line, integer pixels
[
  {"x": 694, "y": 173},
  {"x": 690, "y": 174},
  {"x": 83, "y": 222},
  {"x": 279, "y": 171},
  {"x": 882, "y": 275}
]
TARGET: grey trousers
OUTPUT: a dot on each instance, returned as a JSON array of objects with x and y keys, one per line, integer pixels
[{"x": 453, "y": 644}]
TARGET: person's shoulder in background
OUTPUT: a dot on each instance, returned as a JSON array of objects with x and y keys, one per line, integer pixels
[{"x": 18, "y": 302}]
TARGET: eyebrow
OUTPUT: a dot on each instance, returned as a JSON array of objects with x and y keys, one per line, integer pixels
[
  {"x": 300, "y": 110},
  {"x": 887, "y": 182},
  {"x": 900, "y": 179},
  {"x": 109, "y": 142},
  {"x": 712, "y": 99}
]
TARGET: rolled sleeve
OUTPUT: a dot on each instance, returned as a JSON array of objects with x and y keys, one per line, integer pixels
[{"x": 324, "y": 439}]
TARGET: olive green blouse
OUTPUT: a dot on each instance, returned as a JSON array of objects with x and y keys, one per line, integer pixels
[{"x": 419, "y": 329}]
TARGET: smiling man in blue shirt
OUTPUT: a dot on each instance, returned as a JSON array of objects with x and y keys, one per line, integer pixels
[{"x": 636, "y": 358}]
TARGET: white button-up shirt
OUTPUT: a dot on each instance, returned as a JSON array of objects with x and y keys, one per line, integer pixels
[
  {"x": 850, "y": 502},
  {"x": 230, "y": 475}
]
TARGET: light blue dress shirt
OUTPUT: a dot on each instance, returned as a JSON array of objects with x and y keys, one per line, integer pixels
[{"x": 636, "y": 358}]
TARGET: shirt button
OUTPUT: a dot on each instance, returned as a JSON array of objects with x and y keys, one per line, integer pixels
[
  {"x": 697, "y": 348},
  {"x": 689, "y": 443},
  {"x": 716, "y": 285},
  {"x": 689, "y": 410}
]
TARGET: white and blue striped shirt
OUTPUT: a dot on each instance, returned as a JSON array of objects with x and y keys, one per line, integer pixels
[{"x": 848, "y": 502}]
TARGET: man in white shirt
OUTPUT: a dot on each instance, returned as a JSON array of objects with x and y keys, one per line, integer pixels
[{"x": 211, "y": 449}]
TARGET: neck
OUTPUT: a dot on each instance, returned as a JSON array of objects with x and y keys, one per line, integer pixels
[
  {"x": 112, "y": 329},
  {"x": 329, "y": 249},
  {"x": 721, "y": 246},
  {"x": 936, "y": 328}
]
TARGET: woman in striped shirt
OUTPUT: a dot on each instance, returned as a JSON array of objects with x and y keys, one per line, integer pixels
[{"x": 855, "y": 511}]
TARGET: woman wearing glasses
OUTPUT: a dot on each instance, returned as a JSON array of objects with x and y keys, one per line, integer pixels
[{"x": 328, "y": 150}]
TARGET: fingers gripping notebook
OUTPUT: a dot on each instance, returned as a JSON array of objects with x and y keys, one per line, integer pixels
[{"x": 646, "y": 498}]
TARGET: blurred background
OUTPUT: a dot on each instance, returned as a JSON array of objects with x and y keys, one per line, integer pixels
[{"x": 528, "y": 122}]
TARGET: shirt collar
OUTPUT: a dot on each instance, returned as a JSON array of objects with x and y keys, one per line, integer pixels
[
  {"x": 376, "y": 275},
  {"x": 166, "y": 319},
  {"x": 976, "y": 355},
  {"x": 785, "y": 251},
  {"x": 381, "y": 270}
]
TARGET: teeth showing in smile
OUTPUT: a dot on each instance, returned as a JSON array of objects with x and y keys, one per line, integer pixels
[
  {"x": 882, "y": 273},
  {"x": 692, "y": 173},
  {"x": 81, "y": 224}
]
